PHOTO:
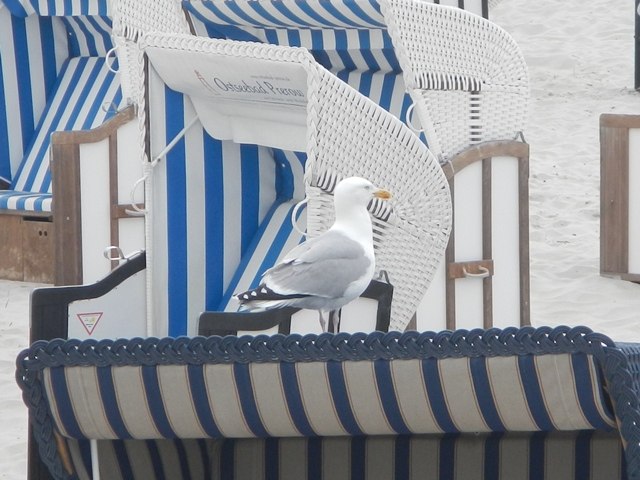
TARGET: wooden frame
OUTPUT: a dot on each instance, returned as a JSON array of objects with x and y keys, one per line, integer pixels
[
  {"x": 65, "y": 172},
  {"x": 26, "y": 246},
  {"x": 484, "y": 152},
  {"x": 614, "y": 195}
]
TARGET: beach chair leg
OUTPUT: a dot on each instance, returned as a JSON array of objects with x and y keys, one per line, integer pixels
[
  {"x": 36, "y": 469},
  {"x": 95, "y": 460}
]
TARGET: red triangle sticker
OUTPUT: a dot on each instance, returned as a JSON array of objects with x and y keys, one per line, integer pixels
[{"x": 89, "y": 320}]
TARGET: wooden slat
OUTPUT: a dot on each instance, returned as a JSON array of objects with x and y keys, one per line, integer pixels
[
  {"x": 65, "y": 174},
  {"x": 113, "y": 193},
  {"x": 11, "y": 248},
  {"x": 76, "y": 137},
  {"x": 501, "y": 148},
  {"x": 458, "y": 269},
  {"x": 523, "y": 200},
  {"x": 615, "y": 120},
  {"x": 37, "y": 241},
  {"x": 121, "y": 211},
  {"x": 487, "y": 241},
  {"x": 449, "y": 258},
  {"x": 614, "y": 197}
]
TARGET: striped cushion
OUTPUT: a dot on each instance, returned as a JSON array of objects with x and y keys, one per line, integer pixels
[
  {"x": 25, "y": 201},
  {"x": 382, "y": 397},
  {"x": 32, "y": 52},
  {"x": 84, "y": 85},
  {"x": 584, "y": 455}
]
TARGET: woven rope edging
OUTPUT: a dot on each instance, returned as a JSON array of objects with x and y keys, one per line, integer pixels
[{"x": 311, "y": 347}]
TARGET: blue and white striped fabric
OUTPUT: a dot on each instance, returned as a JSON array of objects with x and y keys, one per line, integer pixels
[
  {"x": 66, "y": 8},
  {"x": 84, "y": 85},
  {"x": 176, "y": 459},
  {"x": 584, "y": 455},
  {"x": 347, "y": 38},
  {"x": 221, "y": 213},
  {"x": 89, "y": 36},
  {"x": 348, "y": 398},
  {"x": 32, "y": 52},
  {"x": 53, "y": 76}
]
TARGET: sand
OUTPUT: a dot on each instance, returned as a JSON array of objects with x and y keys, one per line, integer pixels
[{"x": 580, "y": 56}]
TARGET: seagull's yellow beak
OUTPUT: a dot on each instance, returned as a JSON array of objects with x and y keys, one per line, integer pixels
[{"x": 382, "y": 194}]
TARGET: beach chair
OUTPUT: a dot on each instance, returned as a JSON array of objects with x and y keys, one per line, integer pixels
[
  {"x": 518, "y": 403},
  {"x": 469, "y": 85},
  {"x": 619, "y": 215},
  {"x": 54, "y": 78},
  {"x": 352, "y": 40}
]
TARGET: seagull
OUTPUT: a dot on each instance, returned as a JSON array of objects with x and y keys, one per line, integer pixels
[{"x": 326, "y": 272}]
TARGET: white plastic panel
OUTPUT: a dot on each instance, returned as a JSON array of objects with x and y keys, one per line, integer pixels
[
  {"x": 506, "y": 242},
  {"x": 118, "y": 314},
  {"x": 634, "y": 200},
  {"x": 432, "y": 312},
  {"x": 468, "y": 243},
  {"x": 96, "y": 211}
]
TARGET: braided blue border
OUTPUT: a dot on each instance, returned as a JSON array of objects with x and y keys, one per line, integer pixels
[
  {"x": 310, "y": 348},
  {"x": 619, "y": 364}
]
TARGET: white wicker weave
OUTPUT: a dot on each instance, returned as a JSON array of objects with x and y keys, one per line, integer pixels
[
  {"x": 133, "y": 18},
  {"x": 348, "y": 134},
  {"x": 466, "y": 75}
]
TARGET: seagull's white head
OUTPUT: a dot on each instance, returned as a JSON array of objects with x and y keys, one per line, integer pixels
[
  {"x": 358, "y": 191},
  {"x": 351, "y": 198}
]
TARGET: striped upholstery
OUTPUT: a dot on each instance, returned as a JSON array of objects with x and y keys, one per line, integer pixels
[
  {"x": 584, "y": 455},
  {"x": 526, "y": 393},
  {"x": 56, "y": 68},
  {"x": 512, "y": 404},
  {"x": 32, "y": 52},
  {"x": 84, "y": 85},
  {"x": 356, "y": 48},
  {"x": 58, "y": 7},
  {"x": 247, "y": 192}
]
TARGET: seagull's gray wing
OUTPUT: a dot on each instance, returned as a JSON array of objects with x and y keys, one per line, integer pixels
[{"x": 324, "y": 266}]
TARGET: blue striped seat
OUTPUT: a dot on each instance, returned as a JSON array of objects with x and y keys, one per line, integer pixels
[
  {"x": 57, "y": 67},
  {"x": 586, "y": 455},
  {"x": 442, "y": 402}
]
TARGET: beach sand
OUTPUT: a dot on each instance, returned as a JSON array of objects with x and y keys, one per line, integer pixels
[{"x": 580, "y": 56}]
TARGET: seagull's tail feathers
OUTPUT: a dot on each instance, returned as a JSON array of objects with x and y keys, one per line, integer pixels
[{"x": 263, "y": 297}]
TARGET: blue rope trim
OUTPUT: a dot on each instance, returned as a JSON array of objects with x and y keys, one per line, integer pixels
[
  {"x": 621, "y": 368},
  {"x": 311, "y": 348}
]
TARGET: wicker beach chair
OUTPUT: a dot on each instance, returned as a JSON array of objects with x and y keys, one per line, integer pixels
[
  {"x": 466, "y": 76},
  {"x": 53, "y": 77},
  {"x": 468, "y": 82},
  {"x": 375, "y": 145}
]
